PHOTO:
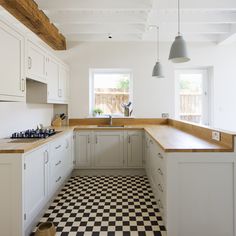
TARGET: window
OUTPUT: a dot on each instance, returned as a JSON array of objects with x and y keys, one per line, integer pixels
[
  {"x": 109, "y": 89},
  {"x": 192, "y": 101}
]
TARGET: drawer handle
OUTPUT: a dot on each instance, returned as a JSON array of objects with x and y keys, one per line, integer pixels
[
  {"x": 29, "y": 63},
  {"x": 160, "y": 171},
  {"x": 129, "y": 141},
  {"x": 58, "y": 163},
  {"x": 47, "y": 158},
  {"x": 58, "y": 179},
  {"x": 151, "y": 141},
  {"x": 57, "y": 147},
  {"x": 160, "y": 188},
  {"x": 23, "y": 85},
  {"x": 159, "y": 155}
]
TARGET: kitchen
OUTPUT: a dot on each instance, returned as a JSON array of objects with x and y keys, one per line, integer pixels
[{"x": 114, "y": 39}]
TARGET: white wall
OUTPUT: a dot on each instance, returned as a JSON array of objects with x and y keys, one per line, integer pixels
[
  {"x": 20, "y": 116},
  {"x": 153, "y": 96}
]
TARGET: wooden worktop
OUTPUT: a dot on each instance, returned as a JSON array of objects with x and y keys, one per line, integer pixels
[
  {"x": 8, "y": 145},
  {"x": 172, "y": 136}
]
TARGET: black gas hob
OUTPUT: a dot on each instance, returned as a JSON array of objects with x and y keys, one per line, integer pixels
[{"x": 34, "y": 133}]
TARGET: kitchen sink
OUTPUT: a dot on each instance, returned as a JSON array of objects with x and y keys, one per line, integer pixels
[{"x": 110, "y": 126}]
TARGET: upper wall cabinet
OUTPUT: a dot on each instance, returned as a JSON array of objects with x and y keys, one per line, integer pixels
[
  {"x": 36, "y": 62},
  {"x": 64, "y": 83},
  {"x": 52, "y": 68},
  {"x": 12, "y": 76},
  {"x": 58, "y": 81}
]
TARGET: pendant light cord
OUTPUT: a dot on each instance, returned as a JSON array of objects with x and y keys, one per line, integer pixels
[
  {"x": 178, "y": 17},
  {"x": 158, "y": 44}
]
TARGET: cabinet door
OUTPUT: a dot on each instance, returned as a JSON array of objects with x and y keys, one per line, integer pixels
[
  {"x": 68, "y": 166},
  {"x": 135, "y": 148},
  {"x": 64, "y": 84},
  {"x": 12, "y": 64},
  {"x": 35, "y": 182},
  {"x": 53, "y": 79},
  {"x": 36, "y": 63},
  {"x": 83, "y": 149},
  {"x": 109, "y": 149}
]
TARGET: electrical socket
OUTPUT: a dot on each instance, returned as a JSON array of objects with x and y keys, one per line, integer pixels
[
  {"x": 216, "y": 135},
  {"x": 165, "y": 115}
]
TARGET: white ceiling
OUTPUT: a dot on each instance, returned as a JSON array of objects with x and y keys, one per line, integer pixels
[{"x": 128, "y": 20}]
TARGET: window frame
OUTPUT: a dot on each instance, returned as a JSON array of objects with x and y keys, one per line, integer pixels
[
  {"x": 107, "y": 71},
  {"x": 207, "y": 91}
]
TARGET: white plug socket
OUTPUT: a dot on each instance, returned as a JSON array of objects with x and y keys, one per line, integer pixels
[{"x": 216, "y": 135}]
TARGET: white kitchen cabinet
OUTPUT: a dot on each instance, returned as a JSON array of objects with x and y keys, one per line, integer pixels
[
  {"x": 36, "y": 177},
  {"x": 52, "y": 67},
  {"x": 61, "y": 160},
  {"x": 83, "y": 148},
  {"x": 135, "y": 150},
  {"x": 12, "y": 77},
  {"x": 63, "y": 86},
  {"x": 58, "y": 81},
  {"x": 191, "y": 189},
  {"x": 108, "y": 149},
  {"x": 36, "y": 62},
  {"x": 69, "y": 156}
]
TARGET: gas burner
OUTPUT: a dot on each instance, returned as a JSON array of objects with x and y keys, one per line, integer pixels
[{"x": 34, "y": 133}]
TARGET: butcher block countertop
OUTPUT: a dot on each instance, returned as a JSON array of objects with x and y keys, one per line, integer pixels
[
  {"x": 169, "y": 138},
  {"x": 8, "y": 145},
  {"x": 172, "y": 137}
]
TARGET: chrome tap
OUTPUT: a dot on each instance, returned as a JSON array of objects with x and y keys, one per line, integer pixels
[{"x": 110, "y": 119}]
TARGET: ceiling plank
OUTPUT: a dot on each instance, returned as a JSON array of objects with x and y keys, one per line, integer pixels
[
  {"x": 102, "y": 29},
  {"x": 228, "y": 38},
  {"x": 27, "y": 12},
  {"x": 193, "y": 17},
  {"x": 91, "y": 17},
  {"x": 101, "y": 5},
  {"x": 141, "y": 28},
  {"x": 212, "y": 5}
]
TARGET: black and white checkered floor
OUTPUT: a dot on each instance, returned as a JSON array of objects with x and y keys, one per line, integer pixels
[{"x": 106, "y": 205}]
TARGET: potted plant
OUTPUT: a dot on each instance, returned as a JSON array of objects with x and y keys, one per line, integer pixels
[{"x": 97, "y": 112}]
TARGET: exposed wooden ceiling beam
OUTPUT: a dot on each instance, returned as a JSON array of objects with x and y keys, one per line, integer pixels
[{"x": 28, "y": 13}]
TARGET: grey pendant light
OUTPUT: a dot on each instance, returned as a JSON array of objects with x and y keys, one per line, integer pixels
[
  {"x": 157, "y": 69},
  {"x": 178, "y": 51}
]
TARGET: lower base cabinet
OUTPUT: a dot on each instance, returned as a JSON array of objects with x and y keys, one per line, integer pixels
[
  {"x": 195, "y": 192},
  {"x": 109, "y": 149},
  {"x": 27, "y": 183},
  {"x": 83, "y": 148},
  {"x": 36, "y": 179}
]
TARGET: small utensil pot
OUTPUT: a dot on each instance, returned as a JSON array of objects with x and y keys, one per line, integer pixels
[{"x": 46, "y": 229}]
